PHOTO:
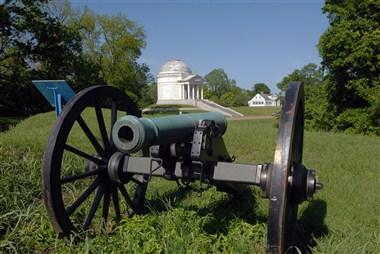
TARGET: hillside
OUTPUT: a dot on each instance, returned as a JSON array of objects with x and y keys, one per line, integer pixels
[{"x": 343, "y": 218}]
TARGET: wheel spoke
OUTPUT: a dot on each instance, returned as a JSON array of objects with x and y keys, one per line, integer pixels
[
  {"x": 78, "y": 197},
  {"x": 102, "y": 126},
  {"x": 82, "y": 154},
  {"x": 115, "y": 200},
  {"x": 83, "y": 197},
  {"x": 126, "y": 197},
  {"x": 73, "y": 178},
  {"x": 94, "y": 206},
  {"x": 113, "y": 113},
  {"x": 106, "y": 203},
  {"x": 99, "y": 149},
  {"x": 113, "y": 118}
]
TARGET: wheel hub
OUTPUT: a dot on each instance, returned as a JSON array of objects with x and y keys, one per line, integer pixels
[
  {"x": 115, "y": 168},
  {"x": 92, "y": 166},
  {"x": 303, "y": 182}
]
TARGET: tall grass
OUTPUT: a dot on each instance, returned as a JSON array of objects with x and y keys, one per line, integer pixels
[{"x": 343, "y": 218}]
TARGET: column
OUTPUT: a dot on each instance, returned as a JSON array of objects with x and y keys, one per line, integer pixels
[
  {"x": 202, "y": 93},
  {"x": 193, "y": 91},
  {"x": 188, "y": 91}
]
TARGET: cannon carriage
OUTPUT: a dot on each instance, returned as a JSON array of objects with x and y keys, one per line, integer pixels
[{"x": 112, "y": 178}]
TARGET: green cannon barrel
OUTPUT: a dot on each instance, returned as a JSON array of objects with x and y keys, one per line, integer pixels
[{"x": 130, "y": 133}]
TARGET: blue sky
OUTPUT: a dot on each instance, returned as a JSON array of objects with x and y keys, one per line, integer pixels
[{"x": 253, "y": 41}]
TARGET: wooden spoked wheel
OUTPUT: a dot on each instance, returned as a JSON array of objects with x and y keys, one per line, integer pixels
[
  {"x": 79, "y": 193},
  {"x": 288, "y": 155}
]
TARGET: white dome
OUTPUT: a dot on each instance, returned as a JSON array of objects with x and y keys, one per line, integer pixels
[
  {"x": 175, "y": 66},
  {"x": 176, "y": 83}
]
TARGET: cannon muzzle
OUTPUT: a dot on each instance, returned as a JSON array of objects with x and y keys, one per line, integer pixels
[{"x": 131, "y": 134}]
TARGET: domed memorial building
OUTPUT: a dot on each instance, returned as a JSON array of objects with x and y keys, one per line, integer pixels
[{"x": 176, "y": 84}]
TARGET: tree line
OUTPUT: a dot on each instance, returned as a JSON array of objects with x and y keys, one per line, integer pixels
[
  {"x": 49, "y": 40},
  {"x": 343, "y": 94},
  {"x": 223, "y": 90}
]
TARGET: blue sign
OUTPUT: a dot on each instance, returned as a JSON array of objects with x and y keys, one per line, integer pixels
[{"x": 56, "y": 92}]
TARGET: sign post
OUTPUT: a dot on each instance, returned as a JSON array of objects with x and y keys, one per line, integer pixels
[{"x": 56, "y": 92}]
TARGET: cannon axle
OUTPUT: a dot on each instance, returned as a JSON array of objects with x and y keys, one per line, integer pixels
[{"x": 304, "y": 183}]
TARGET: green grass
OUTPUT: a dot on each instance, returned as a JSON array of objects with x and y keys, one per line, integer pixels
[
  {"x": 168, "y": 113},
  {"x": 257, "y": 111},
  {"x": 343, "y": 218},
  {"x": 160, "y": 110},
  {"x": 165, "y": 106}
]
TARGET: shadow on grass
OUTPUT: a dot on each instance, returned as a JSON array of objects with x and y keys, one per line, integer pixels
[
  {"x": 221, "y": 211},
  {"x": 169, "y": 199},
  {"x": 311, "y": 225},
  {"x": 225, "y": 210},
  {"x": 7, "y": 122}
]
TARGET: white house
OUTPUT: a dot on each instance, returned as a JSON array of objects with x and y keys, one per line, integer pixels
[
  {"x": 263, "y": 100},
  {"x": 176, "y": 84}
]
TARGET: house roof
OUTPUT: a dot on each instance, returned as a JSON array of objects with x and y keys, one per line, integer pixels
[{"x": 267, "y": 97}]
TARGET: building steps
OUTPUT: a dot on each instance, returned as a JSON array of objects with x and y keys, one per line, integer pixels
[
  {"x": 212, "y": 106},
  {"x": 206, "y": 105}
]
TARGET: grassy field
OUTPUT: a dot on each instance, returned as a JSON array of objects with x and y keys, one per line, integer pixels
[
  {"x": 170, "y": 106},
  {"x": 245, "y": 110},
  {"x": 171, "y": 109},
  {"x": 343, "y": 218},
  {"x": 257, "y": 111}
]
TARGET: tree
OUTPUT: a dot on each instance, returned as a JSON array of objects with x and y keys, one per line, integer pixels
[
  {"x": 218, "y": 83},
  {"x": 311, "y": 76},
  {"x": 44, "y": 44},
  {"x": 220, "y": 89},
  {"x": 351, "y": 57},
  {"x": 260, "y": 88},
  {"x": 241, "y": 96},
  {"x": 235, "y": 96},
  {"x": 150, "y": 95},
  {"x": 33, "y": 45},
  {"x": 114, "y": 43},
  {"x": 228, "y": 99},
  {"x": 48, "y": 40}
]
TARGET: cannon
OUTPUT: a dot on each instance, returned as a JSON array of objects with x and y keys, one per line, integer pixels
[{"x": 91, "y": 164}]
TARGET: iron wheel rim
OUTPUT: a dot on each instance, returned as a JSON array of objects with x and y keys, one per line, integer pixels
[
  {"x": 58, "y": 213},
  {"x": 282, "y": 208}
]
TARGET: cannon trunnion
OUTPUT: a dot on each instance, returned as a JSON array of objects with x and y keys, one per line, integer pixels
[{"x": 183, "y": 148}]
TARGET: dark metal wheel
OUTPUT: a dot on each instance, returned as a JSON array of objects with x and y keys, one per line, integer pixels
[
  {"x": 283, "y": 202},
  {"x": 79, "y": 160}
]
